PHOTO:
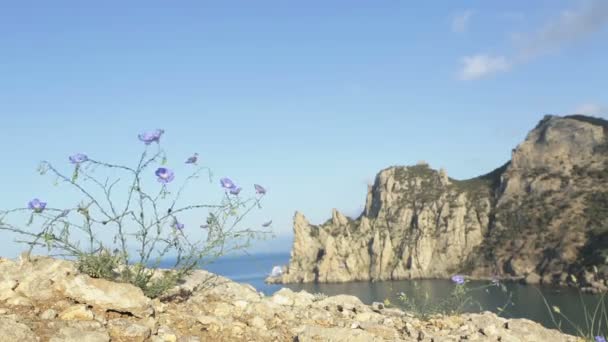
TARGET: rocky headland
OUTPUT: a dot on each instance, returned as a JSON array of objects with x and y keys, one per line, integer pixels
[
  {"x": 46, "y": 299},
  {"x": 542, "y": 217}
]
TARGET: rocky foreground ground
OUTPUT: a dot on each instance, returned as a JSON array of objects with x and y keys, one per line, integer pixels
[{"x": 45, "y": 299}]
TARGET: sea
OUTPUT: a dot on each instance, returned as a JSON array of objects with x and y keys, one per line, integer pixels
[{"x": 510, "y": 300}]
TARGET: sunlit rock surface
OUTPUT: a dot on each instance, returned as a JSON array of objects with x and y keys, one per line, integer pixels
[
  {"x": 540, "y": 217},
  {"x": 206, "y": 307}
]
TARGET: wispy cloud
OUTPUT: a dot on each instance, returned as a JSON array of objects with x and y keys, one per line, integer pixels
[
  {"x": 569, "y": 27},
  {"x": 478, "y": 66},
  {"x": 460, "y": 21},
  {"x": 592, "y": 109}
]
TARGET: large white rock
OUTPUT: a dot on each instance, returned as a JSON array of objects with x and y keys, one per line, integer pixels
[{"x": 108, "y": 295}]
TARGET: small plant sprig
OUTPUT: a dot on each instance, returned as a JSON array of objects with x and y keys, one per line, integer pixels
[
  {"x": 596, "y": 319},
  {"x": 454, "y": 304},
  {"x": 146, "y": 225},
  {"x": 318, "y": 296}
]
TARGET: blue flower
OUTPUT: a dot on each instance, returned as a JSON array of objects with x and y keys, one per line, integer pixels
[
  {"x": 151, "y": 136},
  {"x": 227, "y": 183},
  {"x": 600, "y": 339},
  {"x": 178, "y": 225},
  {"x": 259, "y": 189},
  {"x": 164, "y": 175},
  {"x": 193, "y": 159},
  {"x": 36, "y": 205},
  {"x": 458, "y": 279},
  {"x": 78, "y": 158}
]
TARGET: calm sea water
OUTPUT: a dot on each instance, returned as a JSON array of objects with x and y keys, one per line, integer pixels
[{"x": 525, "y": 301}]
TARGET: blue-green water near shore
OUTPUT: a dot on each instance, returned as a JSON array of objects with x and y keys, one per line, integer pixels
[{"x": 525, "y": 301}]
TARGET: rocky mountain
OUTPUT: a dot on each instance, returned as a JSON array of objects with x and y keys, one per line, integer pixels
[{"x": 540, "y": 217}]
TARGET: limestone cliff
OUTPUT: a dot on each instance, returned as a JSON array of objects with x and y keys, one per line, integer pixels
[{"x": 543, "y": 215}]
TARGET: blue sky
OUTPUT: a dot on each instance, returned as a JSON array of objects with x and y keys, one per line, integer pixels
[{"x": 310, "y": 99}]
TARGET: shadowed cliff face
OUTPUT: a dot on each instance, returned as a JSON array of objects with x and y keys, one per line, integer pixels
[
  {"x": 542, "y": 215},
  {"x": 551, "y": 205}
]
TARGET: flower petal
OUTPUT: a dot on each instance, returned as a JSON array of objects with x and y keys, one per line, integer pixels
[
  {"x": 151, "y": 136},
  {"x": 259, "y": 189},
  {"x": 458, "y": 279},
  {"x": 78, "y": 158},
  {"x": 227, "y": 183}
]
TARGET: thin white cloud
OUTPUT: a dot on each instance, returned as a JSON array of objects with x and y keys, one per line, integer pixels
[
  {"x": 593, "y": 109},
  {"x": 460, "y": 21},
  {"x": 478, "y": 66},
  {"x": 569, "y": 27}
]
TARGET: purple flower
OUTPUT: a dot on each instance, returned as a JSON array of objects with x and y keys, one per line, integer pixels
[
  {"x": 178, "y": 225},
  {"x": 36, "y": 205},
  {"x": 227, "y": 183},
  {"x": 235, "y": 191},
  {"x": 164, "y": 175},
  {"x": 78, "y": 158},
  {"x": 600, "y": 339},
  {"x": 259, "y": 189},
  {"x": 266, "y": 224},
  {"x": 458, "y": 279},
  {"x": 151, "y": 136},
  {"x": 193, "y": 159}
]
